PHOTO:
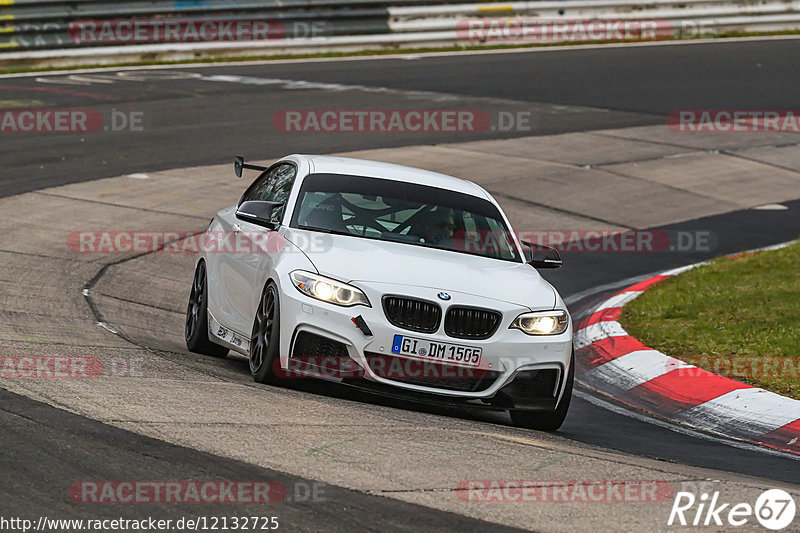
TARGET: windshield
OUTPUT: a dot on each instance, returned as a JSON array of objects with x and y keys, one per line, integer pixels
[{"x": 396, "y": 211}]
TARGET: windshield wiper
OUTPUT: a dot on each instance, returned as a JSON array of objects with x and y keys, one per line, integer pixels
[{"x": 323, "y": 230}]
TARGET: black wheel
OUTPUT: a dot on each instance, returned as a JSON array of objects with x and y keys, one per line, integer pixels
[
  {"x": 552, "y": 420},
  {"x": 196, "y": 331},
  {"x": 265, "y": 339}
]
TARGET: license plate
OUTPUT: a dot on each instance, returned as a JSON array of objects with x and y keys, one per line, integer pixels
[{"x": 436, "y": 351}]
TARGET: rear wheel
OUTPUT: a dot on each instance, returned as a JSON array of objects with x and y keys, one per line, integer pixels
[
  {"x": 548, "y": 420},
  {"x": 265, "y": 339},
  {"x": 196, "y": 331}
]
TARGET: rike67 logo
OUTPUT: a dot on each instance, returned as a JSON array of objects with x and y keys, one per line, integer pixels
[{"x": 774, "y": 509}]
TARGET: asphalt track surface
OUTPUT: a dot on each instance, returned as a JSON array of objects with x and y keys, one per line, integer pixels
[
  {"x": 204, "y": 122},
  {"x": 45, "y": 447}
]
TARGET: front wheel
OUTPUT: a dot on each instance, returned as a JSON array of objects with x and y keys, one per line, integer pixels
[
  {"x": 196, "y": 330},
  {"x": 265, "y": 339},
  {"x": 549, "y": 420}
]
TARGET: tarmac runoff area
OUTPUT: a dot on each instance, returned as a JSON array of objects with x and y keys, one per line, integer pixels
[{"x": 127, "y": 311}]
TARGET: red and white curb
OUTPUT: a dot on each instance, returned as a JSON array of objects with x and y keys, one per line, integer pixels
[{"x": 625, "y": 369}]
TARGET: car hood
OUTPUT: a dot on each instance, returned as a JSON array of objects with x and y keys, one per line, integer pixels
[{"x": 354, "y": 259}]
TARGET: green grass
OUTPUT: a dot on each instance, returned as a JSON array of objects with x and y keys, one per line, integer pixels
[
  {"x": 383, "y": 52},
  {"x": 739, "y": 317}
]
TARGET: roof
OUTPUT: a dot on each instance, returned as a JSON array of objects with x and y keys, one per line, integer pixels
[{"x": 375, "y": 169}]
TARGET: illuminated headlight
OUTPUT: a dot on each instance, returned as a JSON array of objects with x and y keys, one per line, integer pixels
[
  {"x": 542, "y": 322},
  {"x": 327, "y": 289}
]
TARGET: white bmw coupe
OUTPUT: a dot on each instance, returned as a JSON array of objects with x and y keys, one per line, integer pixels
[{"x": 388, "y": 277}]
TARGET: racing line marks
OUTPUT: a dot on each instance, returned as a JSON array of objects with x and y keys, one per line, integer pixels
[{"x": 90, "y": 79}]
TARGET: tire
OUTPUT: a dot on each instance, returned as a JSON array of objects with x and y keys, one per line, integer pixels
[
  {"x": 552, "y": 420},
  {"x": 265, "y": 339},
  {"x": 196, "y": 330}
]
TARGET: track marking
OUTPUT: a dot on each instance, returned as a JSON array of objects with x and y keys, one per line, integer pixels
[
  {"x": 597, "y": 401},
  {"x": 293, "y": 84},
  {"x": 407, "y": 93},
  {"x": 115, "y": 76},
  {"x": 107, "y": 327},
  {"x": 771, "y": 207}
]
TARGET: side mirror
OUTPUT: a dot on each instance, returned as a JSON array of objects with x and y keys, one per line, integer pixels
[
  {"x": 541, "y": 256},
  {"x": 265, "y": 214}
]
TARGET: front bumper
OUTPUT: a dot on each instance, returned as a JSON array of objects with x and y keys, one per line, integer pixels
[{"x": 509, "y": 356}]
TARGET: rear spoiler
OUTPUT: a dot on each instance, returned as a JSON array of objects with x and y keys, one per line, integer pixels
[{"x": 239, "y": 165}]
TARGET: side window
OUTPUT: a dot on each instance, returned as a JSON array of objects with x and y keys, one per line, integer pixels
[
  {"x": 280, "y": 184},
  {"x": 272, "y": 186},
  {"x": 255, "y": 190}
]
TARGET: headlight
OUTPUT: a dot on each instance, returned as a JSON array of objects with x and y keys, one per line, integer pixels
[
  {"x": 327, "y": 289},
  {"x": 542, "y": 322}
]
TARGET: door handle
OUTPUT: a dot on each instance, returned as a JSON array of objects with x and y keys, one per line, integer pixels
[{"x": 237, "y": 228}]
